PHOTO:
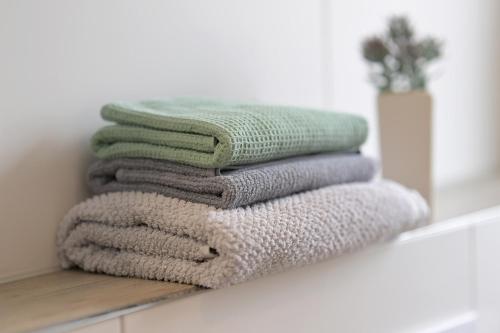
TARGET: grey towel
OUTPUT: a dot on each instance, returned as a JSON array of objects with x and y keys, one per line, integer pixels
[
  {"x": 229, "y": 188},
  {"x": 151, "y": 236}
]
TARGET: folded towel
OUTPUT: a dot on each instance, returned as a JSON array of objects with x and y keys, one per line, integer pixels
[
  {"x": 231, "y": 188},
  {"x": 212, "y": 134},
  {"x": 151, "y": 236}
]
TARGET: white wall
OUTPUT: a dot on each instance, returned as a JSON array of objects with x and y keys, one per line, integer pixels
[
  {"x": 467, "y": 116},
  {"x": 61, "y": 60}
]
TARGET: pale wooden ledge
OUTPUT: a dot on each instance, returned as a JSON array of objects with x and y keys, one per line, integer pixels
[{"x": 70, "y": 297}]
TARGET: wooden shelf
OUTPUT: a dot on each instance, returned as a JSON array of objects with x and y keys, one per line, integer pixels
[{"x": 61, "y": 298}]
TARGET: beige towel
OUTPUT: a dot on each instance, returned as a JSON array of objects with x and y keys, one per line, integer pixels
[{"x": 151, "y": 236}]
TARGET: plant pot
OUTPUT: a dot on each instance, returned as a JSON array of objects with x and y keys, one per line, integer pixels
[{"x": 405, "y": 122}]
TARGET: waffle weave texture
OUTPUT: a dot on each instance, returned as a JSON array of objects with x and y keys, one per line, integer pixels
[
  {"x": 232, "y": 188},
  {"x": 151, "y": 236},
  {"x": 213, "y": 134}
]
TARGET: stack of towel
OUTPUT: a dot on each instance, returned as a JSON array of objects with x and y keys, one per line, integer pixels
[{"x": 212, "y": 193}]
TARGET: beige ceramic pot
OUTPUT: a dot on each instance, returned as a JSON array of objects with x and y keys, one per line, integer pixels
[{"x": 405, "y": 121}]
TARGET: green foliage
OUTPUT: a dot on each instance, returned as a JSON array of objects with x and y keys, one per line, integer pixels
[{"x": 398, "y": 60}]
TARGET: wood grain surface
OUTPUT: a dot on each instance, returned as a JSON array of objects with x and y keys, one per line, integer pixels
[{"x": 65, "y": 296}]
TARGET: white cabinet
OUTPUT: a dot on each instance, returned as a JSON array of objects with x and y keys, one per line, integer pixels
[
  {"x": 417, "y": 283},
  {"x": 487, "y": 239}
]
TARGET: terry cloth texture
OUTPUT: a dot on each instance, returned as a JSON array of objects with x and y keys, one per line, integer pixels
[
  {"x": 211, "y": 134},
  {"x": 232, "y": 188},
  {"x": 151, "y": 236}
]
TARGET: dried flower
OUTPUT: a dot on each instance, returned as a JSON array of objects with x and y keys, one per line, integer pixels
[
  {"x": 428, "y": 49},
  {"x": 374, "y": 49},
  {"x": 400, "y": 28},
  {"x": 398, "y": 60}
]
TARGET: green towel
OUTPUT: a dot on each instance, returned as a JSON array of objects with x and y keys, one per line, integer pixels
[{"x": 214, "y": 134}]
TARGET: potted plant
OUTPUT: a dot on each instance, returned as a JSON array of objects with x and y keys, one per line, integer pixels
[{"x": 398, "y": 63}]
